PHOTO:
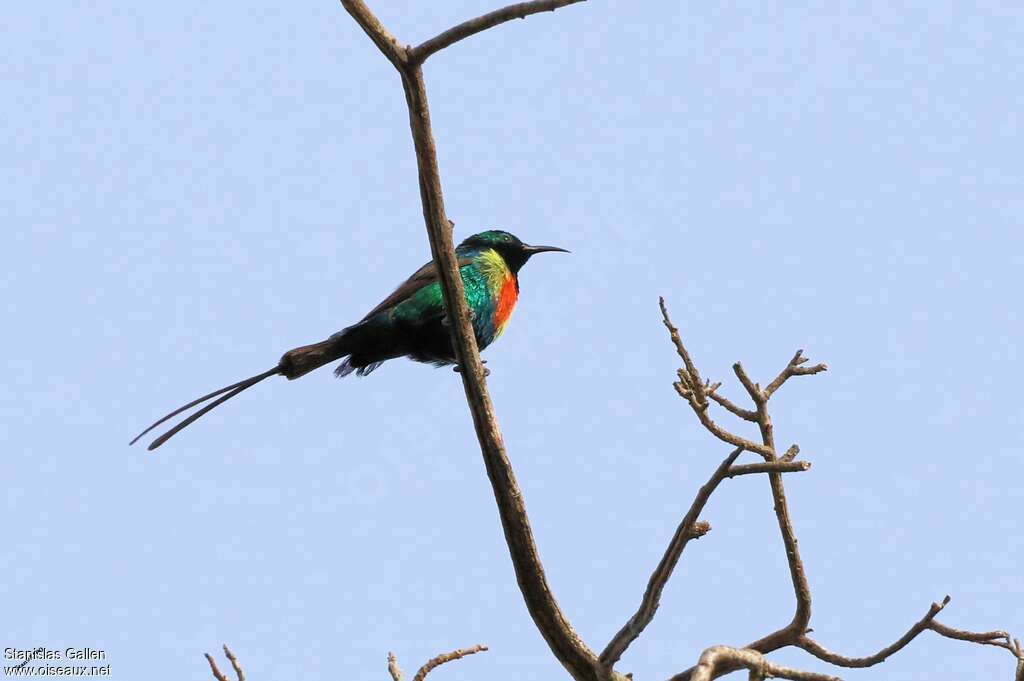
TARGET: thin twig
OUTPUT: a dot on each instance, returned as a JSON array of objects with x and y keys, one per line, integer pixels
[
  {"x": 693, "y": 376},
  {"x": 446, "y": 657},
  {"x": 715, "y": 659},
  {"x": 393, "y": 668},
  {"x": 753, "y": 389},
  {"x": 1000, "y": 639},
  {"x": 793, "y": 369},
  {"x": 709, "y": 424},
  {"x": 217, "y": 673},
  {"x": 652, "y": 595},
  {"x": 769, "y": 467},
  {"x": 689, "y": 528},
  {"x": 822, "y": 653},
  {"x": 521, "y": 10},
  {"x": 745, "y": 414},
  {"x": 234, "y": 663}
]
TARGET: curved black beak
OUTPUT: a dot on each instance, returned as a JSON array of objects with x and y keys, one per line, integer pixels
[{"x": 532, "y": 250}]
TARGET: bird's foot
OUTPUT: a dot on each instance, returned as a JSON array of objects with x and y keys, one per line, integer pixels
[
  {"x": 445, "y": 321},
  {"x": 487, "y": 372}
]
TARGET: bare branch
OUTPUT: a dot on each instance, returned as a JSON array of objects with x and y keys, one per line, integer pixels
[
  {"x": 656, "y": 584},
  {"x": 992, "y": 638},
  {"x": 566, "y": 645},
  {"x": 745, "y": 414},
  {"x": 701, "y": 410},
  {"x": 690, "y": 388},
  {"x": 446, "y": 657},
  {"x": 753, "y": 389},
  {"x": 217, "y": 673},
  {"x": 521, "y": 10},
  {"x": 790, "y": 453},
  {"x": 769, "y": 467},
  {"x": 689, "y": 528},
  {"x": 692, "y": 375},
  {"x": 694, "y": 391},
  {"x": 714, "y": 660},
  {"x": 822, "y": 653},
  {"x": 793, "y": 369},
  {"x": 393, "y": 668},
  {"x": 1000, "y": 639},
  {"x": 368, "y": 21},
  {"x": 564, "y": 642},
  {"x": 234, "y": 663}
]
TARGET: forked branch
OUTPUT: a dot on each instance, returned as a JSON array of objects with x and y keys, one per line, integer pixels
[
  {"x": 822, "y": 653},
  {"x": 520, "y": 10},
  {"x": 693, "y": 391},
  {"x": 218, "y": 674},
  {"x": 719, "y": 660},
  {"x": 566, "y": 645},
  {"x": 689, "y": 528}
]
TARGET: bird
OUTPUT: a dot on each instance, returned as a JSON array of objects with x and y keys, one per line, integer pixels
[{"x": 411, "y": 322}]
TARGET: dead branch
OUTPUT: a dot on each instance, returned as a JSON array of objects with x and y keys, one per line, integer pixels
[
  {"x": 691, "y": 389},
  {"x": 718, "y": 661},
  {"x": 445, "y": 658},
  {"x": 1000, "y": 639},
  {"x": 689, "y": 528},
  {"x": 217, "y": 673},
  {"x": 822, "y": 653},
  {"x": 563, "y": 640},
  {"x": 393, "y": 668},
  {"x": 521, "y": 10},
  {"x": 793, "y": 369},
  {"x": 744, "y": 414},
  {"x": 779, "y": 466},
  {"x": 656, "y": 584},
  {"x": 715, "y": 660}
]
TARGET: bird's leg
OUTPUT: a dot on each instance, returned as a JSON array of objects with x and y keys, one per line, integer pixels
[{"x": 487, "y": 372}]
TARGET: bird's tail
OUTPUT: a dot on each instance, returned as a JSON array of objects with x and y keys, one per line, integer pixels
[{"x": 293, "y": 364}]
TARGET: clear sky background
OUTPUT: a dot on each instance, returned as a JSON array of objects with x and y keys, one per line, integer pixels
[{"x": 189, "y": 189}]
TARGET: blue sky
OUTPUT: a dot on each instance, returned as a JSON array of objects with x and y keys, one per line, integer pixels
[{"x": 191, "y": 189}]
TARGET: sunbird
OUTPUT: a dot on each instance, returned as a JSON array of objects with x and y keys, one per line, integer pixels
[{"x": 410, "y": 322}]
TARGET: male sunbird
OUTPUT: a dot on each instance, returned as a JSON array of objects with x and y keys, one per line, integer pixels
[{"x": 410, "y": 322}]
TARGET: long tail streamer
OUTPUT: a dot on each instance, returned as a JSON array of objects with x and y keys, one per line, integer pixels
[{"x": 231, "y": 391}]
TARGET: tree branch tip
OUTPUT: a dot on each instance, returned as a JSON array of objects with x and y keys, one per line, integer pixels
[{"x": 217, "y": 673}]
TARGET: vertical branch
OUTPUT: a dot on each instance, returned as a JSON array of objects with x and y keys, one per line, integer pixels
[
  {"x": 578, "y": 659},
  {"x": 565, "y": 643}
]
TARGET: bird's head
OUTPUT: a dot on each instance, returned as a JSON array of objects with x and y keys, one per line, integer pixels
[{"x": 509, "y": 246}]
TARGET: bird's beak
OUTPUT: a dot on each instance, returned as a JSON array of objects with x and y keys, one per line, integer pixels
[{"x": 532, "y": 250}]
